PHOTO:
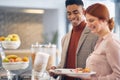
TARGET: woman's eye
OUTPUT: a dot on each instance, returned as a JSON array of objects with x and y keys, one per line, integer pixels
[{"x": 91, "y": 20}]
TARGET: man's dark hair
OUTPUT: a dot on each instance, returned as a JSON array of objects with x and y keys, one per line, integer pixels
[{"x": 71, "y": 2}]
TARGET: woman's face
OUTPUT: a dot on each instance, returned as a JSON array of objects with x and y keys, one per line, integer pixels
[
  {"x": 96, "y": 25},
  {"x": 75, "y": 14}
]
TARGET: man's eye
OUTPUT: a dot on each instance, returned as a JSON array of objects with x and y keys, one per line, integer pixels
[
  {"x": 76, "y": 12},
  {"x": 68, "y": 14}
]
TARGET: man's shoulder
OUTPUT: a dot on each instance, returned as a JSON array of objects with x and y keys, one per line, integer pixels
[
  {"x": 67, "y": 34},
  {"x": 88, "y": 31}
]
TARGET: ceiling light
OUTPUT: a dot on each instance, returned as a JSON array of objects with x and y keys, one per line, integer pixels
[{"x": 33, "y": 11}]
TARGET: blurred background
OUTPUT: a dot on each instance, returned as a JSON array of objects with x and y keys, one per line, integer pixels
[{"x": 43, "y": 21}]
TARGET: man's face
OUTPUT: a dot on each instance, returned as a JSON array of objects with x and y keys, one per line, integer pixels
[{"x": 75, "y": 14}]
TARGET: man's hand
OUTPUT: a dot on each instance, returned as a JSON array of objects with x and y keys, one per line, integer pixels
[{"x": 52, "y": 73}]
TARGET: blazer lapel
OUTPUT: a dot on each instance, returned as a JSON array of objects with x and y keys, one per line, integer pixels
[
  {"x": 67, "y": 41},
  {"x": 65, "y": 48},
  {"x": 82, "y": 38}
]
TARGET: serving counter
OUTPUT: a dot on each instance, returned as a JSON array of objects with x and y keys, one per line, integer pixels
[{"x": 22, "y": 74}]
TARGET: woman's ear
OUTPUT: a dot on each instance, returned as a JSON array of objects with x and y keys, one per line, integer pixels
[{"x": 102, "y": 20}]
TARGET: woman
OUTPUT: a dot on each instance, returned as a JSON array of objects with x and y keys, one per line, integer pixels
[{"x": 105, "y": 59}]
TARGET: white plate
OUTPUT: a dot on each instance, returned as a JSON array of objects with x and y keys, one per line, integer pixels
[
  {"x": 72, "y": 73},
  {"x": 61, "y": 71}
]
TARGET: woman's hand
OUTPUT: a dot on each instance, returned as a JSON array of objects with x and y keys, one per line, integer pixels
[
  {"x": 92, "y": 77},
  {"x": 83, "y": 78}
]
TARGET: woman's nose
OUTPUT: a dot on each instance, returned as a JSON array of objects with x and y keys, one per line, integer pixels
[{"x": 88, "y": 24}]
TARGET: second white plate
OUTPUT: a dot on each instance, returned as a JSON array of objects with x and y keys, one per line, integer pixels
[{"x": 72, "y": 73}]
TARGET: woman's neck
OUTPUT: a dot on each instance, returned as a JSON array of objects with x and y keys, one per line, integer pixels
[{"x": 103, "y": 33}]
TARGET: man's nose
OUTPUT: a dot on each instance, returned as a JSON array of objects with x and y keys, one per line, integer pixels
[{"x": 72, "y": 16}]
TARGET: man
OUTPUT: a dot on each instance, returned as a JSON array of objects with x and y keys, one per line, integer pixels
[{"x": 79, "y": 42}]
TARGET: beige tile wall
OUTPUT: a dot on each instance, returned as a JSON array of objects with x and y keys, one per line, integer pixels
[{"x": 28, "y": 26}]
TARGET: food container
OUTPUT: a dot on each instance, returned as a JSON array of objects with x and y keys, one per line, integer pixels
[
  {"x": 48, "y": 49},
  {"x": 11, "y": 44},
  {"x": 15, "y": 65}
]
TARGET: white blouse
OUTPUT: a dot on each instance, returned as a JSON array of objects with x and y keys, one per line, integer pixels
[{"x": 105, "y": 59}]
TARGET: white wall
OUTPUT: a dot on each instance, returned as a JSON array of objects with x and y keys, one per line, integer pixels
[
  {"x": 110, "y": 5},
  {"x": 32, "y": 3}
]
